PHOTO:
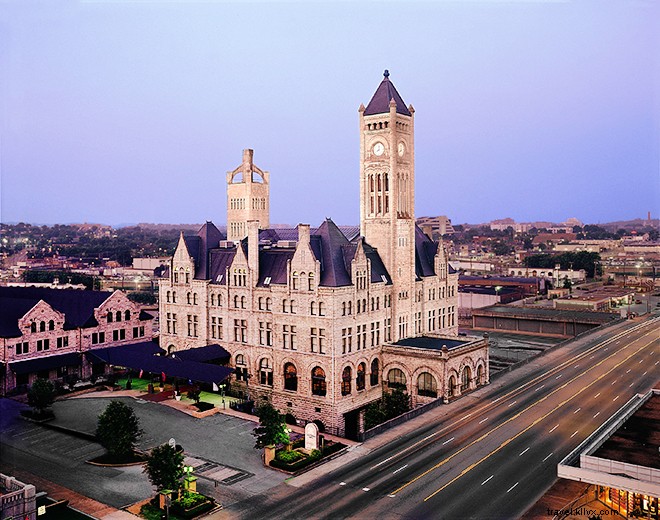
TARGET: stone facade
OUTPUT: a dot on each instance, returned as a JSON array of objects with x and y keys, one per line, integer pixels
[
  {"x": 33, "y": 328},
  {"x": 312, "y": 317}
]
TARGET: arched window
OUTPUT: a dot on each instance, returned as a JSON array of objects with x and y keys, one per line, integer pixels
[
  {"x": 168, "y": 297},
  {"x": 118, "y": 316},
  {"x": 261, "y": 303},
  {"x": 319, "y": 386},
  {"x": 426, "y": 385},
  {"x": 188, "y": 300},
  {"x": 42, "y": 326},
  {"x": 312, "y": 308},
  {"x": 194, "y": 298},
  {"x": 110, "y": 317},
  {"x": 269, "y": 302},
  {"x": 290, "y": 377},
  {"x": 373, "y": 379},
  {"x": 51, "y": 325},
  {"x": 294, "y": 281},
  {"x": 466, "y": 375},
  {"x": 350, "y": 308},
  {"x": 451, "y": 390},
  {"x": 265, "y": 372},
  {"x": 33, "y": 327},
  {"x": 343, "y": 308},
  {"x": 360, "y": 379},
  {"x": 321, "y": 309},
  {"x": 173, "y": 296},
  {"x": 235, "y": 302},
  {"x": 396, "y": 379},
  {"x": 176, "y": 277},
  {"x": 293, "y": 307},
  {"x": 310, "y": 282},
  {"x": 346, "y": 381},
  {"x": 127, "y": 315},
  {"x": 480, "y": 375},
  {"x": 243, "y": 302},
  {"x": 213, "y": 300}
]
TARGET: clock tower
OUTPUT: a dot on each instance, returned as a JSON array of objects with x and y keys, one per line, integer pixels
[{"x": 387, "y": 193}]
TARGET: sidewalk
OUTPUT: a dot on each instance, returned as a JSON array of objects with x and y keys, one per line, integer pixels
[{"x": 77, "y": 501}]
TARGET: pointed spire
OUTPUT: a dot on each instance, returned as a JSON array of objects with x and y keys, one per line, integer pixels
[{"x": 385, "y": 93}]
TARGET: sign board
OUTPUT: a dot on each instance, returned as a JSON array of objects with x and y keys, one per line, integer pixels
[{"x": 41, "y": 510}]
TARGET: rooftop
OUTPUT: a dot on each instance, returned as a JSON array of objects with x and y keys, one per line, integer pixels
[
  {"x": 637, "y": 440},
  {"x": 546, "y": 313},
  {"x": 432, "y": 343}
]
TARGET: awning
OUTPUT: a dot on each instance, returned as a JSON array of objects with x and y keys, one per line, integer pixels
[
  {"x": 202, "y": 354},
  {"x": 137, "y": 359},
  {"x": 45, "y": 363}
]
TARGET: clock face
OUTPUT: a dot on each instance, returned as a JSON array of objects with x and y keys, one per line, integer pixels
[
  {"x": 379, "y": 149},
  {"x": 401, "y": 149}
]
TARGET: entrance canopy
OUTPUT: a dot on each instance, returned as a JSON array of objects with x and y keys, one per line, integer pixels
[
  {"x": 144, "y": 359},
  {"x": 45, "y": 363},
  {"x": 209, "y": 353}
]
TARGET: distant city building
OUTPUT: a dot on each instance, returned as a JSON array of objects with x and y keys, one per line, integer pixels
[
  {"x": 621, "y": 459},
  {"x": 322, "y": 321},
  {"x": 440, "y": 225},
  {"x": 46, "y": 333}
]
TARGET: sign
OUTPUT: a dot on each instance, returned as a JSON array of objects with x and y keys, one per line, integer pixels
[
  {"x": 41, "y": 510},
  {"x": 172, "y": 442}
]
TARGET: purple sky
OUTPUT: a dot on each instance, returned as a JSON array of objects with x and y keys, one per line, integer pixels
[{"x": 132, "y": 111}]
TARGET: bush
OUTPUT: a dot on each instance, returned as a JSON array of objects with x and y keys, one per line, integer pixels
[
  {"x": 315, "y": 455},
  {"x": 290, "y": 419},
  {"x": 288, "y": 456},
  {"x": 40, "y": 396},
  {"x": 165, "y": 467},
  {"x": 202, "y": 406}
]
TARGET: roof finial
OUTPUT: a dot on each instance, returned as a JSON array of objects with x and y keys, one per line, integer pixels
[{"x": 386, "y": 73}]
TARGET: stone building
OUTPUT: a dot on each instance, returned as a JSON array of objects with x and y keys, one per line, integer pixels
[
  {"x": 47, "y": 332},
  {"x": 320, "y": 320}
]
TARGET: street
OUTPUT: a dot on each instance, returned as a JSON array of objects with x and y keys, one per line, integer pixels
[{"x": 495, "y": 455}]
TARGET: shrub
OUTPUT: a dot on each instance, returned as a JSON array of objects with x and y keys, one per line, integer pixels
[
  {"x": 40, "y": 396},
  {"x": 165, "y": 467},
  {"x": 118, "y": 429},
  {"x": 202, "y": 406},
  {"x": 290, "y": 419},
  {"x": 315, "y": 455},
  {"x": 288, "y": 456}
]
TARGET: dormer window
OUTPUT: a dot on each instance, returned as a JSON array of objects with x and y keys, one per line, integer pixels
[
  {"x": 110, "y": 317},
  {"x": 267, "y": 280}
]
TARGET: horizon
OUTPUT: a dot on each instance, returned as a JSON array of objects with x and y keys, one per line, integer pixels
[{"x": 548, "y": 108}]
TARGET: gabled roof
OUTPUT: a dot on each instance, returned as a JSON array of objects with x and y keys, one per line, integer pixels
[
  {"x": 334, "y": 269},
  {"x": 219, "y": 260},
  {"x": 77, "y": 306},
  {"x": 425, "y": 250},
  {"x": 378, "y": 269},
  {"x": 380, "y": 102},
  {"x": 209, "y": 238}
]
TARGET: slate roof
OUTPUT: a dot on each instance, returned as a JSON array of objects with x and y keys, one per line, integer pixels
[
  {"x": 380, "y": 102},
  {"x": 77, "y": 306},
  {"x": 219, "y": 260},
  {"x": 38, "y": 364},
  {"x": 425, "y": 250}
]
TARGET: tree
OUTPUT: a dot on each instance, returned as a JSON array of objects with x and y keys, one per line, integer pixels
[
  {"x": 165, "y": 467},
  {"x": 392, "y": 405},
  {"x": 118, "y": 429},
  {"x": 568, "y": 284},
  {"x": 41, "y": 395},
  {"x": 272, "y": 427},
  {"x": 194, "y": 393}
]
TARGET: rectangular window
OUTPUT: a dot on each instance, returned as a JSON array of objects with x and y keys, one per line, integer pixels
[
  {"x": 118, "y": 335},
  {"x": 314, "y": 339},
  {"x": 346, "y": 340},
  {"x": 43, "y": 344},
  {"x": 321, "y": 341},
  {"x": 63, "y": 341},
  {"x": 388, "y": 329},
  {"x": 98, "y": 337},
  {"x": 22, "y": 348}
]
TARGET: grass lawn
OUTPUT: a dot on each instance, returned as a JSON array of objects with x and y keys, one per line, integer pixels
[{"x": 209, "y": 397}]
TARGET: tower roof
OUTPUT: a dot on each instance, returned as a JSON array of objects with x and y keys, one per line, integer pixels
[{"x": 380, "y": 102}]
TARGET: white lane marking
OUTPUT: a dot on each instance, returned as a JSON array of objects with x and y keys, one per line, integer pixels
[
  {"x": 512, "y": 404},
  {"x": 397, "y": 470},
  {"x": 597, "y": 414},
  {"x": 628, "y": 371},
  {"x": 342, "y": 483},
  {"x": 466, "y": 416},
  {"x": 487, "y": 480},
  {"x": 607, "y": 348},
  {"x": 448, "y": 440},
  {"x": 512, "y": 487},
  {"x": 657, "y": 362},
  {"x": 560, "y": 375},
  {"x": 576, "y": 366},
  {"x": 596, "y": 395},
  {"x": 574, "y": 434},
  {"x": 391, "y": 496},
  {"x": 641, "y": 361},
  {"x": 631, "y": 385},
  {"x": 618, "y": 342},
  {"x": 523, "y": 451},
  {"x": 383, "y": 461},
  {"x": 554, "y": 428},
  {"x": 483, "y": 420},
  {"x": 614, "y": 382},
  {"x": 645, "y": 373},
  {"x": 547, "y": 457},
  {"x": 429, "y": 436},
  {"x": 365, "y": 489},
  {"x": 498, "y": 399},
  {"x": 576, "y": 411},
  {"x": 592, "y": 357},
  {"x": 539, "y": 388},
  {"x": 615, "y": 398}
]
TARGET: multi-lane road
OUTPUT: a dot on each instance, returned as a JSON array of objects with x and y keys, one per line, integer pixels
[{"x": 492, "y": 457}]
